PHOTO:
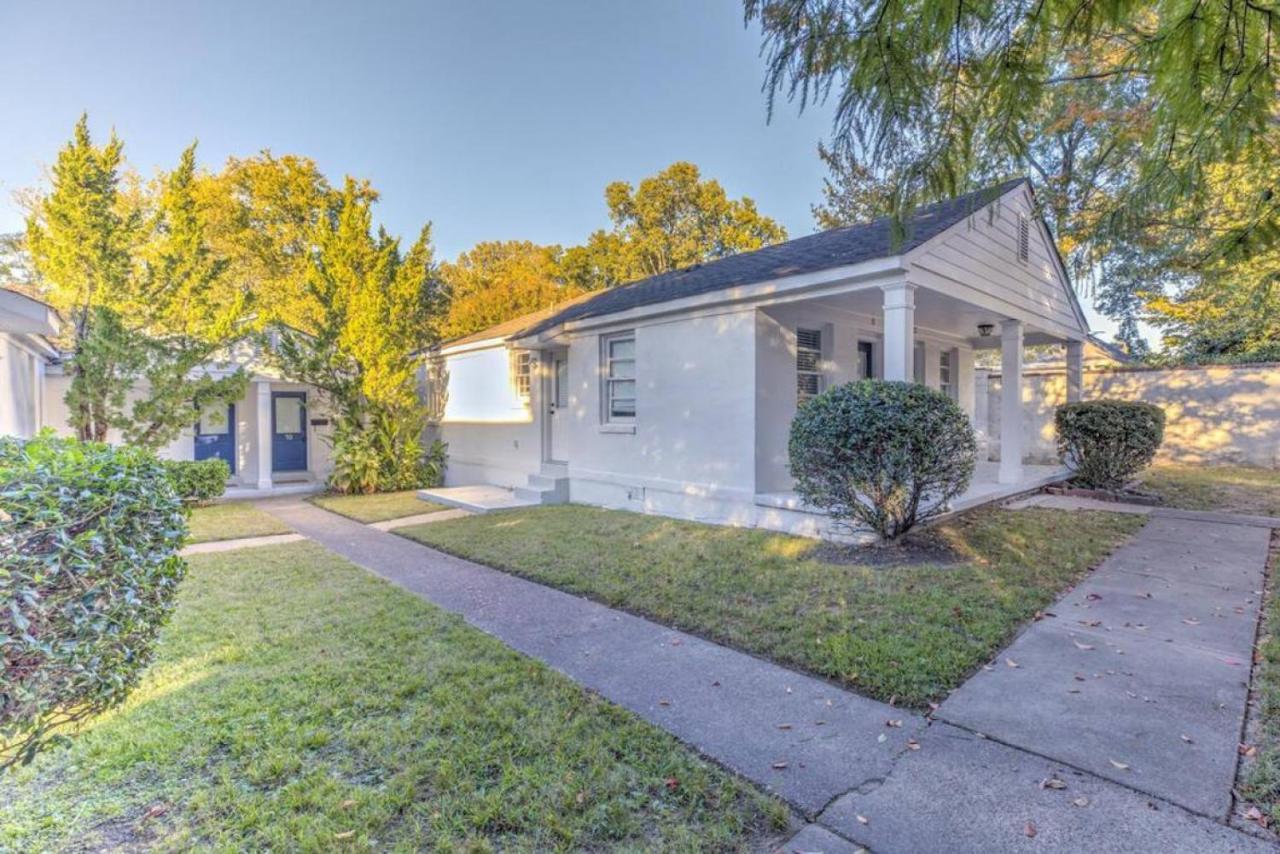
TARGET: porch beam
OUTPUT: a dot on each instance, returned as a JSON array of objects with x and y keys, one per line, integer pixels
[
  {"x": 899, "y": 331},
  {"x": 263, "y": 431},
  {"x": 1010, "y": 401},
  {"x": 1075, "y": 371}
]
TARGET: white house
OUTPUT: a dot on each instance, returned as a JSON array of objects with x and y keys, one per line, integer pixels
[
  {"x": 674, "y": 395},
  {"x": 275, "y": 438},
  {"x": 25, "y": 354}
]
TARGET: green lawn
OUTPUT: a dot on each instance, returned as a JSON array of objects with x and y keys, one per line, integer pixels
[
  {"x": 231, "y": 521},
  {"x": 1262, "y": 781},
  {"x": 299, "y": 703},
  {"x": 377, "y": 507},
  {"x": 909, "y": 630},
  {"x": 1231, "y": 489}
]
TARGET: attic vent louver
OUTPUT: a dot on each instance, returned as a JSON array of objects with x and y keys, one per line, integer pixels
[{"x": 1024, "y": 237}]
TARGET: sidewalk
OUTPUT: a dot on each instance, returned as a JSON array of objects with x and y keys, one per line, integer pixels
[{"x": 828, "y": 752}]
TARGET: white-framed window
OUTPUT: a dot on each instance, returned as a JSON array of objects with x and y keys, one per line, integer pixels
[
  {"x": 808, "y": 364},
  {"x": 946, "y": 374},
  {"x": 1024, "y": 237},
  {"x": 522, "y": 373},
  {"x": 618, "y": 392}
]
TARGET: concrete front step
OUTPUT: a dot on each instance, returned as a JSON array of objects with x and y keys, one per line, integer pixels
[{"x": 477, "y": 499}]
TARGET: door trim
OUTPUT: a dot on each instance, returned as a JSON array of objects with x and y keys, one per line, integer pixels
[
  {"x": 231, "y": 434},
  {"x": 306, "y": 443},
  {"x": 547, "y": 402}
]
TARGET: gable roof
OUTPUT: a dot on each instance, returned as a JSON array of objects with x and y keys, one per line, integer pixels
[{"x": 837, "y": 247}]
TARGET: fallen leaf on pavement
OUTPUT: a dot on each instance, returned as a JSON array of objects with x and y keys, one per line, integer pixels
[
  {"x": 1120, "y": 765},
  {"x": 912, "y": 744},
  {"x": 1082, "y": 645},
  {"x": 1081, "y": 802},
  {"x": 1188, "y": 739},
  {"x": 1248, "y": 750},
  {"x": 862, "y": 819},
  {"x": 893, "y": 723},
  {"x": 778, "y": 766},
  {"x": 1093, "y": 597},
  {"x": 1191, "y": 621},
  {"x": 1030, "y": 830},
  {"x": 664, "y": 702},
  {"x": 1052, "y": 783},
  {"x": 784, "y": 726},
  {"x": 1011, "y": 662}
]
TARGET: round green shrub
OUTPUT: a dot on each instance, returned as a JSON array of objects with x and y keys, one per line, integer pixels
[
  {"x": 89, "y": 566},
  {"x": 881, "y": 455},
  {"x": 1107, "y": 442},
  {"x": 198, "y": 481}
]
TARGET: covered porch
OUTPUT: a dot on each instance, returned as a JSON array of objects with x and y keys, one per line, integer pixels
[{"x": 905, "y": 331}]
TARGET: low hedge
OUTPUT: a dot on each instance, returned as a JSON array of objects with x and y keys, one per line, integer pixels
[
  {"x": 1107, "y": 442},
  {"x": 198, "y": 481},
  {"x": 89, "y": 567},
  {"x": 884, "y": 455}
]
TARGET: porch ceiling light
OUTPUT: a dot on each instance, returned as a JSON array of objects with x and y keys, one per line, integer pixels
[{"x": 985, "y": 329}]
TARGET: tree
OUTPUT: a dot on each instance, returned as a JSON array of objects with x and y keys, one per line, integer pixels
[
  {"x": 367, "y": 309},
  {"x": 673, "y": 219},
  {"x": 932, "y": 94},
  {"x": 851, "y": 193},
  {"x": 263, "y": 213},
  {"x": 134, "y": 274},
  {"x": 495, "y": 281}
]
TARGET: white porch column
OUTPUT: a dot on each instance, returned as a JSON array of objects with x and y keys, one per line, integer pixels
[
  {"x": 899, "y": 331},
  {"x": 1011, "y": 401},
  {"x": 263, "y": 389},
  {"x": 1075, "y": 370}
]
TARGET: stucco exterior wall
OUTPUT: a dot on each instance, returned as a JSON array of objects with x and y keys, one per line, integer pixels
[
  {"x": 21, "y": 378},
  {"x": 490, "y": 429},
  {"x": 694, "y": 432},
  {"x": 1217, "y": 414}
]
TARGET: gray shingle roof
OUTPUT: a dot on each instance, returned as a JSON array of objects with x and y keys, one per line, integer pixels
[{"x": 838, "y": 247}]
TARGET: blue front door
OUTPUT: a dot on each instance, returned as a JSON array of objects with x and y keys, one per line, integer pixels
[
  {"x": 216, "y": 435},
  {"x": 288, "y": 431}
]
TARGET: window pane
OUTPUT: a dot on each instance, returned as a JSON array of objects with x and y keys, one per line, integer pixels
[
  {"x": 213, "y": 420},
  {"x": 288, "y": 415},
  {"x": 623, "y": 369},
  {"x": 622, "y": 388},
  {"x": 622, "y": 408},
  {"x": 806, "y": 360},
  {"x": 562, "y": 382},
  {"x": 622, "y": 348},
  {"x": 807, "y": 384}
]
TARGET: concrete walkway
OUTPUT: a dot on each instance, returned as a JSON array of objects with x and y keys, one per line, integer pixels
[{"x": 830, "y": 753}]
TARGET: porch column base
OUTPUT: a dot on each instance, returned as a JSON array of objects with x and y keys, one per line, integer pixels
[
  {"x": 263, "y": 434},
  {"x": 1010, "y": 401}
]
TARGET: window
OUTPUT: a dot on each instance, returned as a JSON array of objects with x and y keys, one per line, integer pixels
[
  {"x": 619, "y": 352},
  {"x": 946, "y": 384},
  {"x": 1024, "y": 237},
  {"x": 808, "y": 363},
  {"x": 522, "y": 373}
]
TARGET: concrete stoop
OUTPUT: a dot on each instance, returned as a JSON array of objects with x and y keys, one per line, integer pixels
[{"x": 550, "y": 486}]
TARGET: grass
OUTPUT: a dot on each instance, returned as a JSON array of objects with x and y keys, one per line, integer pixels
[
  {"x": 910, "y": 631},
  {"x": 378, "y": 507},
  {"x": 1261, "y": 783},
  {"x": 300, "y": 704},
  {"x": 1231, "y": 489},
  {"x": 231, "y": 521}
]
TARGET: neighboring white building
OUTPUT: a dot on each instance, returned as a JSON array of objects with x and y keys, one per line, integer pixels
[
  {"x": 674, "y": 395},
  {"x": 276, "y": 438},
  {"x": 25, "y": 354}
]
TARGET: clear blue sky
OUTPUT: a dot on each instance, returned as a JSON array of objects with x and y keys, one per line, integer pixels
[{"x": 493, "y": 120}]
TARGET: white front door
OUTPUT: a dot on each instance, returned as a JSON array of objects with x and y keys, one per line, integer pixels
[{"x": 558, "y": 408}]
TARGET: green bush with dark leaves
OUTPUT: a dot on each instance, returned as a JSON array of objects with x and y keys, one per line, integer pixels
[
  {"x": 881, "y": 455},
  {"x": 1107, "y": 442},
  {"x": 198, "y": 481},
  {"x": 89, "y": 567}
]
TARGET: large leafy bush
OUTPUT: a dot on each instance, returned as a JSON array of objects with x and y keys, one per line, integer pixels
[
  {"x": 89, "y": 565},
  {"x": 881, "y": 455},
  {"x": 1107, "y": 442},
  {"x": 198, "y": 481}
]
